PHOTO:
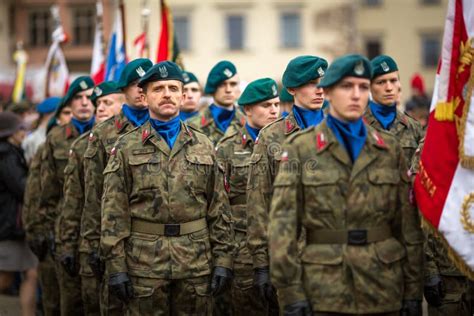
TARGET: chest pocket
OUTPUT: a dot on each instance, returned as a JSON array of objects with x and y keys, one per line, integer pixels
[
  {"x": 198, "y": 170},
  {"x": 60, "y": 159},
  {"x": 409, "y": 146},
  {"x": 322, "y": 193},
  {"x": 383, "y": 189},
  {"x": 145, "y": 169},
  {"x": 239, "y": 173}
]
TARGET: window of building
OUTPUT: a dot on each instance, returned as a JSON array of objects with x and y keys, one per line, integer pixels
[
  {"x": 83, "y": 24},
  {"x": 40, "y": 27},
  {"x": 235, "y": 32},
  {"x": 431, "y": 47},
  {"x": 372, "y": 3},
  {"x": 373, "y": 47},
  {"x": 430, "y": 2},
  {"x": 182, "y": 29},
  {"x": 290, "y": 30}
]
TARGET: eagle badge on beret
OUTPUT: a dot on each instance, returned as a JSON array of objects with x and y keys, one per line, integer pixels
[
  {"x": 359, "y": 68},
  {"x": 97, "y": 91},
  {"x": 83, "y": 84},
  {"x": 384, "y": 66},
  {"x": 163, "y": 71},
  {"x": 140, "y": 71},
  {"x": 274, "y": 90},
  {"x": 320, "y": 71},
  {"x": 227, "y": 73}
]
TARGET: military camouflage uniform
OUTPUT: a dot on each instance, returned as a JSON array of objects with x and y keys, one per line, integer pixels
[
  {"x": 205, "y": 123},
  {"x": 233, "y": 153},
  {"x": 165, "y": 220},
  {"x": 363, "y": 252},
  {"x": 33, "y": 224},
  {"x": 459, "y": 291},
  {"x": 54, "y": 160},
  {"x": 264, "y": 165},
  {"x": 70, "y": 219},
  {"x": 407, "y": 130},
  {"x": 101, "y": 141}
]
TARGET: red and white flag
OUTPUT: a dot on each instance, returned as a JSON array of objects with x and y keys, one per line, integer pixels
[
  {"x": 57, "y": 72},
  {"x": 98, "y": 51},
  {"x": 139, "y": 45},
  {"x": 444, "y": 186}
]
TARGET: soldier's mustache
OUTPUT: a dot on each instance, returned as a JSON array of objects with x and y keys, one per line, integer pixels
[{"x": 167, "y": 102}]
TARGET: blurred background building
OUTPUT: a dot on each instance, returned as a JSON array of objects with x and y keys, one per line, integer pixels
[{"x": 260, "y": 37}]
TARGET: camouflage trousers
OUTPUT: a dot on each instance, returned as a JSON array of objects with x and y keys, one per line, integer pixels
[
  {"x": 109, "y": 304},
  {"x": 458, "y": 299},
  {"x": 70, "y": 292},
  {"x": 90, "y": 287},
  {"x": 245, "y": 299},
  {"x": 49, "y": 286},
  {"x": 171, "y": 297}
]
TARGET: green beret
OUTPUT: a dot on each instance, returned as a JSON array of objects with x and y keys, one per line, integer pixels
[
  {"x": 189, "y": 77},
  {"x": 81, "y": 83},
  {"x": 347, "y": 66},
  {"x": 258, "y": 91},
  {"x": 303, "y": 69},
  {"x": 103, "y": 89},
  {"x": 165, "y": 70},
  {"x": 285, "y": 96},
  {"x": 222, "y": 71},
  {"x": 134, "y": 70},
  {"x": 382, "y": 65}
]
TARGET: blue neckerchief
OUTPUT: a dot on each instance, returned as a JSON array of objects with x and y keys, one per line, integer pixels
[
  {"x": 136, "y": 116},
  {"x": 168, "y": 130},
  {"x": 352, "y": 135},
  {"x": 222, "y": 117},
  {"x": 184, "y": 116},
  {"x": 83, "y": 127},
  {"x": 384, "y": 114},
  {"x": 252, "y": 131},
  {"x": 307, "y": 118},
  {"x": 284, "y": 114}
]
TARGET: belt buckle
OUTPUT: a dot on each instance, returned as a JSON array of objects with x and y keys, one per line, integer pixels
[
  {"x": 357, "y": 237},
  {"x": 172, "y": 230}
]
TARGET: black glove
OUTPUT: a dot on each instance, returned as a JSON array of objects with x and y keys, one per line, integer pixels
[
  {"x": 261, "y": 281},
  {"x": 69, "y": 263},
  {"x": 301, "y": 308},
  {"x": 97, "y": 265},
  {"x": 39, "y": 246},
  {"x": 221, "y": 280},
  {"x": 411, "y": 308},
  {"x": 121, "y": 286},
  {"x": 434, "y": 290}
]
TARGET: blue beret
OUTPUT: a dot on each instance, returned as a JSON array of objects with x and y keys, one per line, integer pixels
[
  {"x": 134, "y": 70},
  {"x": 222, "y": 71},
  {"x": 103, "y": 89},
  {"x": 49, "y": 105},
  {"x": 303, "y": 69},
  {"x": 382, "y": 65},
  {"x": 165, "y": 70},
  {"x": 189, "y": 77},
  {"x": 347, "y": 66},
  {"x": 258, "y": 91}
]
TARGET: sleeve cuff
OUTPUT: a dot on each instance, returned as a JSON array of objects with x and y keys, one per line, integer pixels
[
  {"x": 260, "y": 261},
  {"x": 116, "y": 265},
  {"x": 291, "y": 294},
  {"x": 225, "y": 262}
]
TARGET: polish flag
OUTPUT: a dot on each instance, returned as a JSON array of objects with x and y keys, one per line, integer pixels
[
  {"x": 139, "y": 44},
  {"x": 98, "y": 56},
  {"x": 444, "y": 186},
  {"x": 116, "y": 57}
]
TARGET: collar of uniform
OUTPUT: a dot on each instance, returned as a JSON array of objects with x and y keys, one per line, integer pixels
[
  {"x": 121, "y": 121},
  {"x": 147, "y": 132},
  {"x": 402, "y": 118},
  {"x": 206, "y": 118},
  {"x": 246, "y": 139},
  {"x": 70, "y": 131},
  {"x": 369, "y": 117},
  {"x": 290, "y": 123}
]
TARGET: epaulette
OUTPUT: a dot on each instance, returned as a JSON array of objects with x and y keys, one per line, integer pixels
[{"x": 291, "y": 138}]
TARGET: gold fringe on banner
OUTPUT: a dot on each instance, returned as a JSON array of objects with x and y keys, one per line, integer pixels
[
  {"x": 444, "y": 111},
  {"x": 465, "y": 160},
  {"x": 453, "y": 256}
]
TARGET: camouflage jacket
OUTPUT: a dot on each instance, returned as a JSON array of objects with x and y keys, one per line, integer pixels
[
  {"x": 437, "y": 260},
  {"x": 147, "y": 184},
  {"x": 320, "y": 189},
  {"x": 233, "y": 153},
  {"x": 264, "y": 165},
  {"x": 101, "y": 141},
  {"x": 54, "y": 160},
  {"x": 32, "y": 222},
  {"x": 71, "y": 210},
  {"x": 406, "y": 129},
  {"x": 205, "y": 123}
]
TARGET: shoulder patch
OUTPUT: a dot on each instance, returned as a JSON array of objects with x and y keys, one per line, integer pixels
[
  {"x": 321, "y": 141},
  {"x": 289, "y": 126},
  {"x": 379, "y": 140},
  {"x": 68, "y": 131},
  {"x": 145, "y": 134},
  {"x": 203, "y": 120}
]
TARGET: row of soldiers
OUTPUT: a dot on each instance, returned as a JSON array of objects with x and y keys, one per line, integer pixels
[{"x": 234, "y": 210}]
